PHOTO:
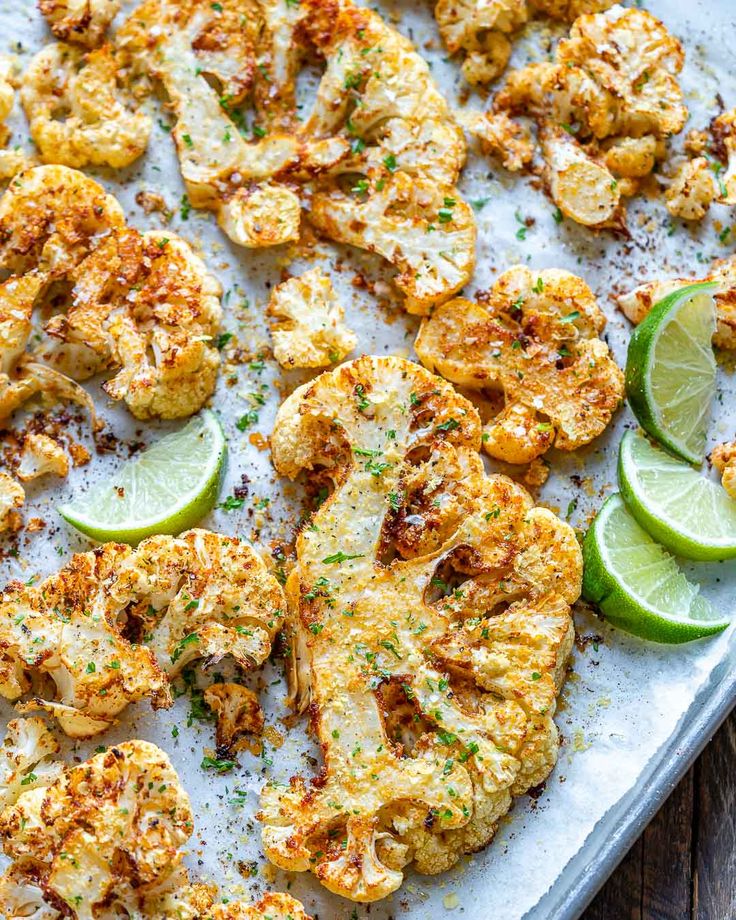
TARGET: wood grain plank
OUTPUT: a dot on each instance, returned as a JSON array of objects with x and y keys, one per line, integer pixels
[
  {"x": 621, "y": 896},
  {"x": 715, "y": 828},
  {"x": 667, "y": 857}
]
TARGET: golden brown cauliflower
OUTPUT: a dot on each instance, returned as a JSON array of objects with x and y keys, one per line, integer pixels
[
  {"x": 692, "y": 190},
  {"x": 41, "y": 455},
  {"x": 200, "y": 595},
  {"x": 12, "y": 161},
  {"x": 78, "y": 113},
  {"x": 430, "y": 606},
  {"x": 534, "y": 339},
  {"x": 723, "y": 458},
  {"x": 579, "y": 183},
  {"x": 83, "y": 22},
  {"x": 105, "y": 837},
  {"x": 65, "y": 628},
  {"x": 612, "y": 87},
  {"x": 307, "y": 327},
  {"x": 238, "y": 713},
  {"x": 26, "y": 759},
  {"x": 141, "y": 304},
  {"x": 378, "y": 128},
  {"x": 12, "y": 497},
  {"x": 271, "y": 906},
  {"x": 481, "y": 29},
  {"x": 710, "y": 176},
  {"x": 637, "y": 303},
  {"x": 499, "y": 136}
]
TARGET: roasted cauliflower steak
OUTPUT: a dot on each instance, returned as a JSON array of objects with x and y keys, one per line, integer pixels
[
  {"x": 430, "y": 607},
  {"x": 26, "y": 758},
  {"x": 78, "y": 111},
  {"x": 535, "y": 338},
  {"x": 637, "y": 303},
  {"x": 140, "y": 304},
  {"x": 200, "y": 595},
  {"x": 612, "y": 88},
  {"x": 373, "y": 163},
  {"x": 308, "y": 328}
]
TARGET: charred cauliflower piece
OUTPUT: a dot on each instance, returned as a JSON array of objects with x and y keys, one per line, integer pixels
[
  {"x": 105, "y": 835},
  {"x": 140, "y": 304},
  {"x": 536, "y": 341},
  {"x": 270, "y": 907},
  {"x": 379, "y": 140},
  {"x": 12, "y": 161},
  {"x": 26, "y": 759},
  {"x": 710, "y": 176},
  {"x": 612, "y": 87},
  {"x": 66, "y": 628},
  {"x": 200, "y": 595},
  {"x": 83, "y": 22},
  {"x": 308, "y": 328},
  {"x": 41, "y": 455},
  {"x": 428, "y": 236},
  {"x": 481, "y": 30},
  {"x": 12, "y": 497},
  {"x": 430, "y": 605},
  {"x": 637, "y": 303},
  {"x": 238, "y": 713},
  {"x": 723, "y": 458},
  {"x": 77, "y": 112}
]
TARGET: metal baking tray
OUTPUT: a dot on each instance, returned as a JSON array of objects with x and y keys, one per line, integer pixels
[{"x": 633, "y": 715}]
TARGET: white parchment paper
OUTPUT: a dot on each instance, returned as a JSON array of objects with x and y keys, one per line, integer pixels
[{"x": 625, "y": 698}]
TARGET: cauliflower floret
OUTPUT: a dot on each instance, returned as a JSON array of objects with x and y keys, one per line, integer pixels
[
  {"x": 535, "y": 340},
  {"x": 12, "y": 497},
  {"x": 308, "y": 330},
  {"x": 481, "y": 30},
  {"x": 427, "y": 235},
  {"x": 142, "y": 304},
  {"x": 77, "y": 112},
  {"x": 580, "y": 185},
  {"x": 499, "y": 136},
  {"x": 22, "y": 898},
  {"x": 425, "y": 554},
  {"x": 81, "y": 21},
  {"x": 41, "y": 455},
  {"x": 613, "y": 85},
  {"x": 377, "y": 121},
  {"x": 66, "y": 627},
  {"x": 238, "y": 713},
  {"x": 723, "y": 458},
  {"x": 637, "y": 303},
  {"x": 11, "y": 161},
  {"x": 200, "y": 595},
  {"x": 26, "y": 759},
  {"x": 271, "y": 906},
  {"x": 692, "y": 191},
  {"x": 568, "y": 10},
  {"x": 106, "y": 832}
]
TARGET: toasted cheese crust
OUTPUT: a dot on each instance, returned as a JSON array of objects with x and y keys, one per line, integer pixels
[
  {"x": 430, "y": 608},
  {"x": 378, "y": 128},
  {"x": 534, "y": 339},
  {"x": 141, "y": 304}
]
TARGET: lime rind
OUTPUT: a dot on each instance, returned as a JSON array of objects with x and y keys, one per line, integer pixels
[
  {"x": 687, "y": 513},
  {"x": 638, "y": 585},
  {"x": 166, "y": 489},
  {"x": 671, "y": 370}
]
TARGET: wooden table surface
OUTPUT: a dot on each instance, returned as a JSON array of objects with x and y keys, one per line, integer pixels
[{"x": 683, "y": 867}]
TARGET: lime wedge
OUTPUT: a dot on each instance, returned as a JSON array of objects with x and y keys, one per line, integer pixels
[
  {"x": 165, "y": 489},
  {"x": 671, "y": 371},
  {"x": 637, "y": 585},
  {"x": 689, "y": 514}
]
